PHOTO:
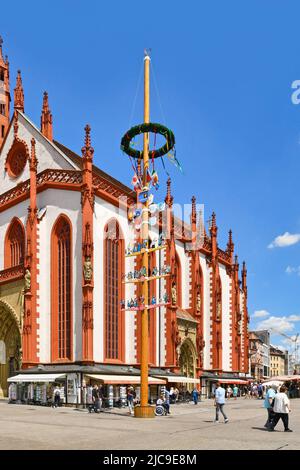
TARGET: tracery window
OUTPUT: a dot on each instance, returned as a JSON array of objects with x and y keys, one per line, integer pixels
[
  {"x": 178, "y": 280},
  {"x": 14, "y": 244},
  {"x": 113, "y": 268},
  {"x": 61, "y": 290}
]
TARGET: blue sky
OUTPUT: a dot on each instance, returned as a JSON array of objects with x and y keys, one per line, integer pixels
[{"x": 224, "y": 72}]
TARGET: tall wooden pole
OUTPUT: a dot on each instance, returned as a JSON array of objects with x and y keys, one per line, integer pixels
[
  {"x": 145, "y": 236},
  {"x": 144, "y": 410}
]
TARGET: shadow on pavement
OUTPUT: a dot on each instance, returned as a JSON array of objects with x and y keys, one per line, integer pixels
[{"x": 259, "y": 429}]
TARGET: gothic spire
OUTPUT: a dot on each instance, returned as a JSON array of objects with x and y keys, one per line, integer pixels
[
  {"x": 87, "y": 149},
  {"x": 46, "y": 119},
  {"x": 169, "y": 197},
  {"x": 193, "y": 214},
  {"x": 230, "y": 244},
  {"x": 19, "y": 94}
]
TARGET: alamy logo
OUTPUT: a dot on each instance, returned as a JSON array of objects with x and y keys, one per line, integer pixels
[{"x": 296, "y": 94}]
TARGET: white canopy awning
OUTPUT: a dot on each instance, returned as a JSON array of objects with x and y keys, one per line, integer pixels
[
  {"x": 232, "y": 381},
  {"x": 284, "y": 378},
  {"x": 180, "y": 379},
  {"x": 35, "y": 378},
  {"x": 277, "y": 383},
  {"x": 124, "y": 379}
]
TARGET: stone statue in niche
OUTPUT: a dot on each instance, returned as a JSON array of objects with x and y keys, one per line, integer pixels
[
  {"x": 27, "y": 278},
  {"x": 174, "y": 294},
  {"x": 200, "y": 344},
  {"x": 88, "y": 269},
  {"x": 198, "y": 302},
  {"x": 239, "y": 327},
  {"x": 176, "y": 339},
  {"x": 218, "y": 315}
]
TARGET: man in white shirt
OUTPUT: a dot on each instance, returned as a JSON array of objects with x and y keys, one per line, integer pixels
[
  {"x": 220, "y": 402},
  {"x": 281, "y": 410}
]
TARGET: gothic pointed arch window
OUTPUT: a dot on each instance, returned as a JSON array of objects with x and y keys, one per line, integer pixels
[
  {"x": 14, "y": 244},
  {"x": 177, "y": 272},
  {"x": 114, "y": 265},
  {"x": 61, "y": 290}
]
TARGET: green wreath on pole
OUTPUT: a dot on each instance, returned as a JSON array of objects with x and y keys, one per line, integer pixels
[{"x": 142, "y": 129}]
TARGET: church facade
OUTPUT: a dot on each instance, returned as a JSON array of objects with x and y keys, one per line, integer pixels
[{"x": 65, "y": 238}]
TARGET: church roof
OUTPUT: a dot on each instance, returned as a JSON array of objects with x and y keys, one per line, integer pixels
[
  {"x": 185, "y": 315},
  {"x": 78, "y": 161}
]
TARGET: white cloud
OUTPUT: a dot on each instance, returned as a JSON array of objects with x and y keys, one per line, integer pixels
[
  {"x": 287, "y": 239},
  {"x": 280, "y": 324},
  {"x": 260, "y": 314},
  {"x": 292, "y": 269},
  {"x": 289, "y": 342},
  {"x": 293, "y": 318},
  {"x": 281, "y": 346}
]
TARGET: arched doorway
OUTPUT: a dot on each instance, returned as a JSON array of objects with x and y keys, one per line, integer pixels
[
  {"x": 10, "y": 345},
  {"x": 187, "y": 360}
]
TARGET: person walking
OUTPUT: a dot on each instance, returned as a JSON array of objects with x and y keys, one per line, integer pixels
[
  {"x": 229, "y": 391},
  {"x": 235, "y": 391},
  {"x": 96, "y": 399},
  {"x": 167, "y": 401},
  {"x": 195, "y": 396},
  {"x": 220, "y": 402},
  {"x": 101, "y": 396},
  {"x": 268, "y": 404},
  {"x": 130, "y": 399},
  {"x": 281, "y": 410},
  {"x": 56, "y": 397}
]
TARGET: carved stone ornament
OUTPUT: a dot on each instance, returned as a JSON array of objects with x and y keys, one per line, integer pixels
[
  {"x": 198, "y": 302},
  {"x": 218, "y": 314},
  {"x": 27, "y": 278},
  {"x": 16, "y": 158},
  {"x": 174, "y": 295},
  {"x": 88, "y": 315},
  {"x": 88, "y": 269}
]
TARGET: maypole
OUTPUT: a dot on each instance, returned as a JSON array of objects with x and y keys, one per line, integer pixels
[
  {"x": 144, "y": 410},
  {"x": 143, "y": 180}
]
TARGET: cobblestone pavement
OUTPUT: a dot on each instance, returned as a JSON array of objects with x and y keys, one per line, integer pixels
[{"x": 188, "y": 427}]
